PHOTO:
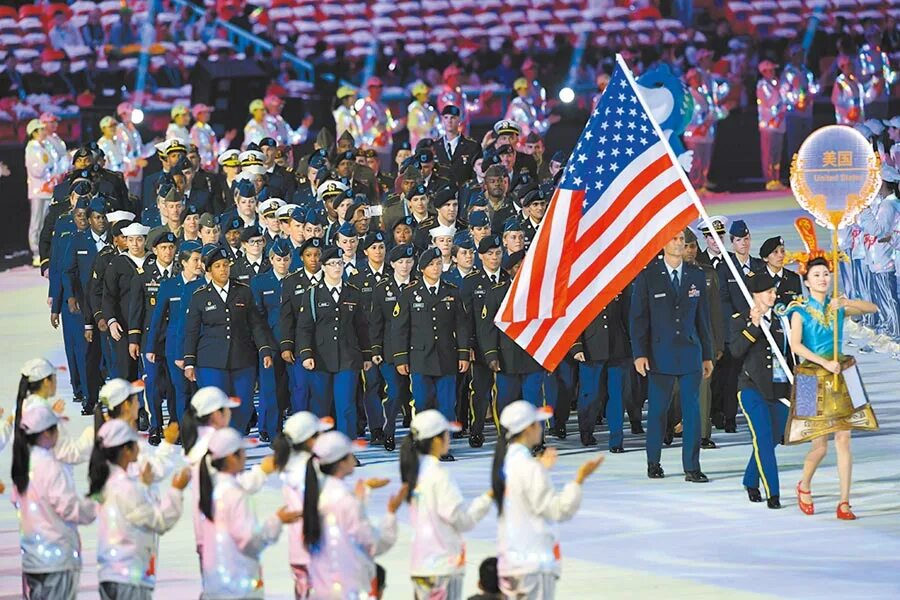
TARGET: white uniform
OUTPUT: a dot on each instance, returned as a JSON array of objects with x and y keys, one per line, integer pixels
[
  {"x": 41, "y": 172},
  {"x": 49, "y": 515},
  {"x": 130, "y": 522},
  {"x": 438, "y": 517},
  {"x": 233, "y": 542},
  {"x": 422, "y": 122},
  {"x": 344, "y": 566},
  {"x": 528, "y": 554},
  {"x": 346, "y": 119},
  {"x": 178, "y": 131}
]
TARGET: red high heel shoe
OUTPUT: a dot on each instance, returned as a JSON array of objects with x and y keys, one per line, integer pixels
[
  {"x": 845, "y": 515},
  {"x": 808, "y": 508}
]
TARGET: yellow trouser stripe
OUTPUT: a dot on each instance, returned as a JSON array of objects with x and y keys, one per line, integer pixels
[{"x": 762, "y": 474}]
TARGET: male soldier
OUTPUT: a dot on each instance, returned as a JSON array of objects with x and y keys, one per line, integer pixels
[
  {"x": 713, "y": 254},
  {"x": 382, "y": 321},
  {"x": 671, "y": 341},
  {"x": 474, "y": 287},
  {"x": 787, "y": 283},
  {"x": 455, "y": 152},
  {"x": 508, "y": 133},
  {"x": 431, "y": 338},
  {"x": 443, "y": 201},
  {"x": 733, "y": 301},
  {"x": 333, "y": 340},
  {"x": 500, "y": 207},
  {"x": 534, "y": 206},
  {"x": 144, "y": 288},
  {"x": 763, "y": 382},
  {"x": 169, "y": 153}
]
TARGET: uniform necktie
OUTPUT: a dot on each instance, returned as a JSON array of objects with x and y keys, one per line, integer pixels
[
  {"x": 777, "y": 279},
  {"x": 432, "y": 290},
  {"x": 255, "y": 267},
  {"x": 449, "y": 150},
  {"x": 224, "y": 295},
  {"x": 494, "y": 278},
  {"x": 675, "y": 282},
  {"x": 165, "y": 274},
  {"x": 335, "y": 293}
]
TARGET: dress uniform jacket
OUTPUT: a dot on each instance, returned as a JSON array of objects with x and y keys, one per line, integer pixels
[
  {"x": 748, "y": 341},
  {"x": 281, "y": 183},
  {"x": 432, "y": 332},
  {"x": 436, "y": 182},
  {"x": 382, "y": 317},
  {"x": 494, "y": 344},
  {"x": 473, "y": 290},
  {"x": 165, "y": 336},
  {"x": 719, "y": 333},
  {"x": 422, "y": 234},
  {"x": 95, "y": 286},
  {"x": 266, "y": 290},
  {"x": 242, "y": 271},
  {"x": 606, "y": 337},
  {"x": 62, "y": 235},
  {"x": 334, "y": 334},
  {"x": 459, "y": 166},
  {"x": 77, "y": 268},
  {"x": 366, "y": 279},
  {"x": 224, "y": 335},
  {"x": 789, "y": 286},
  {"x": 292, "y": 288},
  {"x": 730, "y": 294},
  {"x": 671, "y": 329},
  {"x": 117, "y": 290},
  {"x": 142, "y": 301}
]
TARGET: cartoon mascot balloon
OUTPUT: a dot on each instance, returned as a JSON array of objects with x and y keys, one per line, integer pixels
[{"x": 672, "y": 106}]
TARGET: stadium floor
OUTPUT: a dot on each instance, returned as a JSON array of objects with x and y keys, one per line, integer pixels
[{"x": 633, "y": 538}]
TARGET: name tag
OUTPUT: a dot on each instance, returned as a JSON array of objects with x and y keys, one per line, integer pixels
[
  {"x": 731, "y": 281},
  {"x": 82, "y": 252},
  {"x": 390, "y": 298},
  {"x": 175, "y": 299},
  {"x": 298, "y": 291},
  {"x": 268, "y": 292},
  {"x": 323, "y": 304},
  {"x": 239, "y": 305},
  {"x": 662, "y": 295},
  {"x": 418, "y": 305},
  {"x": 242, "y": 277},
  {"x": 210, "y": 307}
]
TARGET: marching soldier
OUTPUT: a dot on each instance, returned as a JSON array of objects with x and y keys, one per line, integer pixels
[
  {"x": 670, "y": 338},
  {"x": 602, "y": 353},
  {"x": 787, "y": 283},
  {"x": 141, "y": 304},
  {"x": 422, "y": 118},
  {"x": 431, "y": 337},
  {"x": 333, "y": 340},
  {"x": 762, "y": 383},
  {"x": 455, "y": 153},
  {"x": 253, "y": 260},
  {"x": 274, "y": 386},
  {"x": 225, "y": 336},
  {"x": 463, "y": 252},
  {"x": 443, "y": 201},
  {"x": 712, "y": 255},
  {"x": 534, "y": 206},
  {"x": 771, "y": 111},
  {"x": 385, "y": 308},
  {"x": 733, "y": 301}
]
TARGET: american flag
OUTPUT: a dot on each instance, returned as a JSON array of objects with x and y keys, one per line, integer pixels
[{"x": 622, "y": 197}]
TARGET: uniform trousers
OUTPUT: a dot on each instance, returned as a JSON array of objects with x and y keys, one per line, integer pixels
[
  {"x": 60, "y": 585},
  {"x": 560, "y": 389},
  {"x": 597, "y": 377},
  {"x": 36, "y": 222},
  {"x": 111, "y": 590},
  {"x": 180, "y": 385},
  {"x": 534, "y": 586},
  {"x": 234, "y": 382},
  {"x": 526, "y": 386},
  {"x": 108, "y": 351},
  {"x": 158, "y": 382},
  {"x": 766, "y": 420},
  {"x": 373, "y": 387},
  {"x": 444, "y": 587},
  {"x": 430, "y": 391},
  {"x": 299, "y": 387},
  {"x": 660, "y": 395},
  {"x": 705, "y": 397},
  {"x": 481, "y": 390},
  {"x": 273, "y": 395},
  {"x": 76, "y": 350},
  {"x": 126, "y": 367},
  {"x": 398, "y": 395},
  {"x": 334, "y": 394},
  {"x": 92, "y": 368}
]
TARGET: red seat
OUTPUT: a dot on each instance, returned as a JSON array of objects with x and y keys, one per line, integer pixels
[
  {"x": 31, "y": 10},
  {"x": 9, "y": 12},
  {"x": 58, "y": 7}
]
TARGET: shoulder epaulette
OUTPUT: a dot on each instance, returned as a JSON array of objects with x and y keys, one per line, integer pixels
[
  {"x": 240, "y": 283},
  {"x": 449, "y": 284},
  {"x": 473, "y": 273},
  {"x": 351, "y": 286},
  {"x": 201, "y": 288}
]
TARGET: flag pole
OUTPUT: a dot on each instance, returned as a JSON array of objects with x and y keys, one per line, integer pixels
[{"x": 704, "y": 215}]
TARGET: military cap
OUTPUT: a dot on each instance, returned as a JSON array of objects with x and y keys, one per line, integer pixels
[
  {"x": 506, "y": 127},
  {"x": 373, "y": 237},
  {"x": 511, "y": 260},
  {"x": 451, "y": 109},
  {"x": 478, "y": 218},
  {"x": 208, "y": 220},
  {"x": 429, "y": 256},
  {"x": 166, "y": 237},
  {"x": 190, "y": 246},
  {"x": 442, "y": 196},
  {"x": 739, "y": 229},
  {"x": 246, "y": 189},
  {"x": 408, "y": 220},
  {"x": 760, "y": 282},
  {"x": 311, "y": 243},
  {"x": 769, "y": 246},
  {"x": 235, "y": 223},
  {"x": 347, "y": 230},
  {"x": 281, "y": 247},
  {"x": 330, "y": 253},
  {"x": 268, "y": 142},
  {"x": 251, "y": 232},
  {"x": 401, "y": 251},
  {"x": 214, "y": 256},
  {"x": 488, "y": 243}
]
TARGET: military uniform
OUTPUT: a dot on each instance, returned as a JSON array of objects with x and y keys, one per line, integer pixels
[
  {"x": 761, "y": 383},
  {"x": 670, "y": 327},
  {"x": 292, "y": 288},
  {"x": 243, "y": 271},
  {"x": 459, "y": 165},
  {"x": 274, "y": 384},
  {"x": 116, "y": 305},
  {"x": 334, "y": 333},
  {"x": 223, "y": 340},
  {"x": 72, "y": 323},
  {"x": 603, "y": 372},
  {"x": 95, "y": 305},
  {"x": 431, "y": 335}
]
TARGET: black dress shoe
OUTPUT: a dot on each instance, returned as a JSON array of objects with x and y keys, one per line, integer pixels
[
  {"x": 636, "y": 428},
  {"x": 654, "y": 471},
  {"x": 143, "y": 420},
  {"x": 155, "y": 439},
  {"x": 87, "y": 410},
  {"x": 79, "y": 398},
  {"x": 754, "y": 495},
  {"x": 708, "y": 444},
  {"x": 476, "y": 440},
  {"x": 677, "y": 434},
  {"x": 448, "y": 458},
  {"x": 264, "y": 437},
  {"x": 377, "y": 436},
  {"x": 773, "y": 502},
  {"x": 617, "y": 450},
  {"x": 389, "y": 444},
  {"x": 730, "y": 426},
  {"x": 695, "y": 477},
  {"x": 254, "y": 419},
  {"x": 559, "y": 432},
  {"x": 457, "y": 435},
  {"x": 407, "y": 419},
  {"x": 588, "y": 439},
  {"x": 667, "y": 439}
]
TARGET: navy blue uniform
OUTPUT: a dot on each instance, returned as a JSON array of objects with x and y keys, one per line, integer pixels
[
  {"x": 224, "y": 339},
  {"x": 72, "y": 323},
  {"x": 670, "y": 327},
  {"x": 335, "y": 334},
  {"x": 116, "y": 303},
  {"x": 274, "y": 388}
]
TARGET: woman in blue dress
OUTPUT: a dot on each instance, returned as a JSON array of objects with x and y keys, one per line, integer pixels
[{"x": 818, "y": 407}]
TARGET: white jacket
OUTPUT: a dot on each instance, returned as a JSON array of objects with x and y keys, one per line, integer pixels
[
  {"x": 114, "y": 153},
  {"x": 69, "y": 449},
  {"x": 58, "y": 153},
  {"x": 343, "y": 565},
  {"x": 526, "y": 541},
  {"x": 233, "y": 542},
  {"x": 180, "y": 132},
  {"x": 438, "y": 517},
  {"x": 40, "y": 169},
  {"x": 49, "y": 515},
  {"x": 293, "y": 478},
  {"x": 251, "y": 481},
  {"x": 130, "y": 522}
]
